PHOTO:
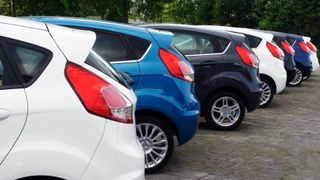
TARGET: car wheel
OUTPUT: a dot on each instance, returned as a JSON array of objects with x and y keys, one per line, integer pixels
[
  {"x": 156, "y": 139},
  {"x": 268, "y": 91},
  {"x": 225, "y": 111},
  {"x": 306, "y": 77},
  {"x": 298, "y": 78}
]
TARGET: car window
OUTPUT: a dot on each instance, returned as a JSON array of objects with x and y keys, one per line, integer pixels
[
  {"x": 30, "y": 62},
  {"x": 1, "y": 72},
  {"x": 138, "y": 46},
  {"x": 223, "y": 43},
  {"x": 6, "y": 77},
  {"x": 103, "y": 66},
  {"x": 291, "y": 41},
  {"x": 190, "y": 44},
  {"x": 253, "y": 41},
  {"x": 111, "y": 47}
]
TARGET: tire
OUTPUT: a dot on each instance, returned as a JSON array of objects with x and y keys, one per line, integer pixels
[
  {"x": 298, "y": 78},
  {"x": 268, "y": 91},
  {"x": 155, "y": 159},
  {"x": 227, "y": 106},
  {"x": 306, "y": 77}
]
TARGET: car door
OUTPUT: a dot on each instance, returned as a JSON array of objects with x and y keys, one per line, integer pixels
[
  {"x": 13, "y": 107},
  {"x": 114, "y": 48},
  {"x": 203, "y": 52}
]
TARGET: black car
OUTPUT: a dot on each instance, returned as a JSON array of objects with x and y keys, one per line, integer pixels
[
  {"x": 226, "y": 72},
  {"x": 289, "y": 64}
]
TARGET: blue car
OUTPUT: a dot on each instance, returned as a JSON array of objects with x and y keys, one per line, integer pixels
[
  {"x": 301, "y": 58},
  {"x": 163, "y": 82}
]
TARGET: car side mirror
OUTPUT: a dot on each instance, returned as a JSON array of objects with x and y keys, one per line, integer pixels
[{"x": 127, "y": 78}]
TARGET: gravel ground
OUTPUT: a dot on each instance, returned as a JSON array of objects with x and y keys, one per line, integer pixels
[{"x": 278, "y": 142}]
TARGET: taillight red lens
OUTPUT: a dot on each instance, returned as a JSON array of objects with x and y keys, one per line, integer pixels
[
  {"x": 287, "y": 47},
  {"x": 275, "y": 51},
  {"x": 98, "y": 96},
  {"x": 247, "y": 57},
  {"x": 303, "y": 47},
  {"x": 176, "y": 66},
  {"x": 311, "y": 46}
]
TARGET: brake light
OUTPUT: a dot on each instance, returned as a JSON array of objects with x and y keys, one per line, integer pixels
[
  {"x": 247, "y": 57},
  {"x": 287, "y": 47},
  {"x": 303, "y": 47},
  {"x": 98, "y": 96},
  {"x": 311, "y": 46},
  {"x": 275, "y": 51},
  {"x": 176, "y": 66}
]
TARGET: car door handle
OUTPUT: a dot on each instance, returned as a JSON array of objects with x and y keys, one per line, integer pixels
[{"x": 4, "y": 114}]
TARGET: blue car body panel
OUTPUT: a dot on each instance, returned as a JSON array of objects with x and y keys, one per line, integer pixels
[
  {"x": 301, "y": 58},
  {"x": 154, "y": 87}
]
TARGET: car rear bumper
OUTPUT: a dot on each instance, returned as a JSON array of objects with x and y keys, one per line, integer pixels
[
  {"x": 280, "y": 77},
  {"x": 290, "y": 75},
  {"x": 307, "y": 70},
  {"x": 253, "y": 101},
  {"x": 189, "y": 127},
  {"x": 118, "y": 156}
]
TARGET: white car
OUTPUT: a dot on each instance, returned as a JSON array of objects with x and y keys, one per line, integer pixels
[
  {"x": 63, "y": 112},
  {"x": 313, "y": 53},
  {"x": 271, "y": 69}
]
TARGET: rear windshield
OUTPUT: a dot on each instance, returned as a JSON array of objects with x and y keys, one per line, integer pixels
[{"x": 103, "y": 66}]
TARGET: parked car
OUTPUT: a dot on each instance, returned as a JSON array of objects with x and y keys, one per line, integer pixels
[
  {"x": 289, "y": 64},
  {"x": 313, "y": 53},
  {"x": 271, "y": 69},
  {"x": 163, "y": 83},
  {"x": 226, "y": 72},
  {"x": 301, "y": 58},
  {"x": 64, "y": 112}
]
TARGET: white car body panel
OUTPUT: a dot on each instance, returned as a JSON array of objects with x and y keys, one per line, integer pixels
[
  {"x": 313, "y": 56},
  {"x": 13, "y": 115},
  {"x": 78, "y": 44},
  {"x": 60, "y": 138},
  {"x": 269, "y": 65}
]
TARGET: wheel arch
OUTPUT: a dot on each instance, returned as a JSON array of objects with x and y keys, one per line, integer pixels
[
  {"x": 40, "y": 178},
  {"x": 224, "y": 89},
  {"x": 268, "y": 78},
  {"x": 166, "y": 119}
]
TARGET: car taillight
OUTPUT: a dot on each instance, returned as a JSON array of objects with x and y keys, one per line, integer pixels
[
  {"x": 247, "y": 57},
  {"x": 303, "y": 46},
  {"x": 275, "y": 51},
  {"x": 311, "y": 46},
  {"x": 287, "y": 47},
  {"x": 98, "y": 96},
  {"x": 176, "y": 66}
]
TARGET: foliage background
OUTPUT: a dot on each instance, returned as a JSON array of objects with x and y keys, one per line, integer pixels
[{"x": 293, "y": 16}]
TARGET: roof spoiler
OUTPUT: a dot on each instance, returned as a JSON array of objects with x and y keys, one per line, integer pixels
[{"x": 74, "y": 44}]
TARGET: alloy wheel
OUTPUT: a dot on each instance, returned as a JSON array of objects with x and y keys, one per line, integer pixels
[
  {"x": 225, "y": 111},
  {"x": 297, "y": 78},
  {"x": 266, "y": 93},
  {"x": 154, "y": 143}
]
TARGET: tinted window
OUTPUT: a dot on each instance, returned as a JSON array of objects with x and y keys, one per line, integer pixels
[
  {"x": 138, "y": 46},
  {"x": 103, "y": 66},
  {"x": 223, "y": 43},
  {"x": 253, "y": 41},
  {"x": 1, "y": 72},
  {"x": 111, "y": 47},
  {"x": 291, "y": 41},
  {"x": 30, "y": 62},
  {"x": 6, "y": 76},
  {"x": 190, "y": 44}
]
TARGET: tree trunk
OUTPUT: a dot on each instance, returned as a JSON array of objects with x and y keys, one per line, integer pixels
[
  {"x": 13, "y": 8},
  {"x": 125, "y": 9}
]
